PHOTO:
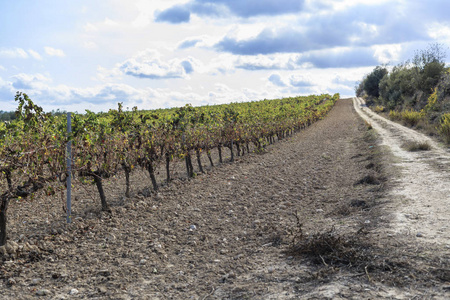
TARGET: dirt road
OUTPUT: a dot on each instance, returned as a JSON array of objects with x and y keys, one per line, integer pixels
[
  {"x": 421, "y": 196},
  {"x": 307, "y": 219}
]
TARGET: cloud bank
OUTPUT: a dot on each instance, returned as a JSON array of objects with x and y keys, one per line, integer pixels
[
  {"x": 161, "y": 53},
  {"x": 226, "y": 8},
  {"x": 148, "y": 64}
]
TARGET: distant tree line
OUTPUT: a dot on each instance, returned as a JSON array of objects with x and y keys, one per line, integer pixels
[
  {"x": 7, "y": 115},
  {"x": 11, "y": 115}
]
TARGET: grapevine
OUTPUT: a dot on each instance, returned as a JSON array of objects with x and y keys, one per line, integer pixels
[{"x": 32, "y": 148}]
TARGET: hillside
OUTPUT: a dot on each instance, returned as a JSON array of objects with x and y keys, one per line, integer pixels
[{"x": 415, "y": 92}]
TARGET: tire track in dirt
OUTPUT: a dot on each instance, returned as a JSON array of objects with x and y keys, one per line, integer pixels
[{"x": 421, "y": 193}]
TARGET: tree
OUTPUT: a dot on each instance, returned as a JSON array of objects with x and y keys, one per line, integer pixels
[
  {"x": 372, "y": 81},
  {"x": 359, "y": 88},
  {"x": 428, "y": 66},
  {"x": 396, "y": 87}
]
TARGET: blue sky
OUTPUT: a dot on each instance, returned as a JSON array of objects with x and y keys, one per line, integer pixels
[{"x": 77, "y": 55}]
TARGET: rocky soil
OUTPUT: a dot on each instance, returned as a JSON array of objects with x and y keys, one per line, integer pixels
[{"x": 313, "y": 217}]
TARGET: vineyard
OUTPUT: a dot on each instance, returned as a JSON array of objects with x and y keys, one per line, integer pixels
[{"x": 33, "y": 147}]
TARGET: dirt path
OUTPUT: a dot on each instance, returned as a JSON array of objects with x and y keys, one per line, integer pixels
[
  {"x": 421, "y": 196},
  {"x": 229, "y": 234}
]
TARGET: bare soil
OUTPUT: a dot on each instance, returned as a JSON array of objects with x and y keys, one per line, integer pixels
[{"x": 313, "y": 217}]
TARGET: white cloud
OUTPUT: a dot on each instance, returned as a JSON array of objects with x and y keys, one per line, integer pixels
[
  {"x": 2, "y": 68},
  {"x": 245, "y": 31},
  {"x": 30, "y": 81},
  {"x": 104, "y": 74},
  {"x": 348, "y": 79},
  {"x": 200, "y": 41},
  {"x": 19, "y": 53},
  {"x": 221, "y": 64},
  {"x": 298, "y": 80},
  {"x": 90, "y": 45},
  {"x": 268, "y": 62},
  {"x": 43, "y": 93},
  {"x": 7, "y": 93},
  {"x": 313, "y": 81},
  {"x": 346, "y": 4},
  {"x": 34, "y": 54},
  {"x": 147, "y": 64},
  {"x": 54, "y": 52},
  {"x": 338, "y": 57},
  {"x": 277, "y": 80},
  {"x": 104, "y": 96},
  {"x": 106, "y": 24},
  {"x": 109, "y": 22},
  {"x": 89, "y": 27},
  {"x": 151, "y": 65},
  {"x": 439, "y": 31},
  {"x": 387, "y": 53},
  {"x": 13, "y": 53}
]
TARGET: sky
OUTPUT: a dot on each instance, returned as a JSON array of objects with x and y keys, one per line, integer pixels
[{"x": 92, "y": 54}]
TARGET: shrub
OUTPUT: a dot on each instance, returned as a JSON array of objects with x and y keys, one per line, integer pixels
[
  {"x": 411, "y": 117},
  {"x": 427, "y": 127},
  {"x": 416, "y": 146},
  {"x": 379, "y": 108},
  {"x": 396, "y": 86},
  {"x": 444, "y": 127},
  {"x": 432, "y": 101},
  {"x": 395, "y": 115}
]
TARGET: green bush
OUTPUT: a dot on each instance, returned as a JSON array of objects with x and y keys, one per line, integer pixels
[
  {"x": 379, "y": 108},
  {"x": 444, "y": 127},
  {"x": 395, "y": 115},
  {"x": 432, "y": 101},
  {"x": 396, "y": 86},
  {"x": 411, "y": 117}
]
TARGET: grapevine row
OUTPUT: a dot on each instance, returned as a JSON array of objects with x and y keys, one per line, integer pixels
[{"x": 32, "y": 148}]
